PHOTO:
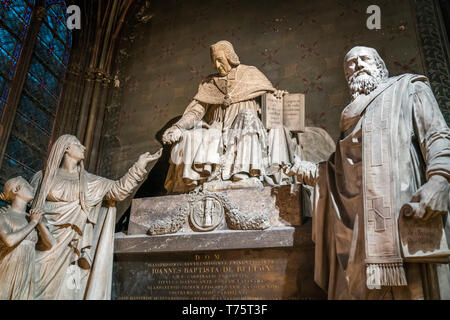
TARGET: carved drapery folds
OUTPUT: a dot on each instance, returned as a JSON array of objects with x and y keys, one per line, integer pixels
[{"x": 206, "y": 211}]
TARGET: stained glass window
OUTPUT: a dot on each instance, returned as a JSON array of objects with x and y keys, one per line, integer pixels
[
  {"x": 33, "y": 124},
  {"x": 15, "y": 16}
]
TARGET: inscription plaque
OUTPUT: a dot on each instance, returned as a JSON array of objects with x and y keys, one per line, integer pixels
[{"x": 206, "y": 214}]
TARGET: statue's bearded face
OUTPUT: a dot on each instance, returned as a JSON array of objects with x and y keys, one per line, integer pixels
[
  {"x": 220, "y": 62},
  {"x": 362, "y": 71}
]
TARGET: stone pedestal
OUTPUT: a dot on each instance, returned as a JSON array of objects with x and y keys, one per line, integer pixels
[
  {"x": 275, "y": 262},
  {"x": 272, "y": 264}
]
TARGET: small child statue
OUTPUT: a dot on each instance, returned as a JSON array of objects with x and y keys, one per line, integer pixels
[{"x": 18, "y": 240}]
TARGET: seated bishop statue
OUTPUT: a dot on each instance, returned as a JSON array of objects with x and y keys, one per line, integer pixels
[{"x": 220, "y": 140}]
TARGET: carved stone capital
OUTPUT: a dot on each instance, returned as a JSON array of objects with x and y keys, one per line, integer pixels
[{"x": 98, "y": 75}]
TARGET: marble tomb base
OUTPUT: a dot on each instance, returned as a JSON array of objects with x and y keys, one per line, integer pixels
[{"x": 224, "y": 264}]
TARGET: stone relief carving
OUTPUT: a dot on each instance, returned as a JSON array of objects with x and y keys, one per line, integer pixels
[
  {"x": 221, "y": 144},
  {"x": 206, "y": 211},
  {"x": 170, "y": 224}
]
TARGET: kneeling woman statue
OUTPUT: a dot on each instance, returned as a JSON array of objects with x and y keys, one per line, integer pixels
[
  {"x": 79, "y": 265},
  {"x": 18, "y": 239}
]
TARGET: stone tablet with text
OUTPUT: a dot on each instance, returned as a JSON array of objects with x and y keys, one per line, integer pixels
[
  {"x": 422, "y": 240},
  {"x": 288, "y": 111}
]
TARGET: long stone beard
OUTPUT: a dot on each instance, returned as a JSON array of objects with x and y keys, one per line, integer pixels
[{"x": 363, "y": 84}]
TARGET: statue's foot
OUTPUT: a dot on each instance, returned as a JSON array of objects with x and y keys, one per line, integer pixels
[{"x": 240, "y": 176}]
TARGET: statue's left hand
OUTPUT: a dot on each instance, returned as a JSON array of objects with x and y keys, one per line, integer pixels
[
  {"x": 146, "y": 158},
  {"x": 432, "y": 197}
]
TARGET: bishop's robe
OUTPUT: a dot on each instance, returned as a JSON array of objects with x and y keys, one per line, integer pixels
[
  {"x": 392, "y": 141},
  {"x": 227, "y": 135}
]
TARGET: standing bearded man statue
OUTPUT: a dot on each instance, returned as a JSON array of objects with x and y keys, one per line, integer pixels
[
  {"x": 220, "y": 136},
  {"x": 394, "y": 149}
]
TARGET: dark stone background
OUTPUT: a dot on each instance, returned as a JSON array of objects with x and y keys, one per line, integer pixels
[{"x": 299, "y": 45}]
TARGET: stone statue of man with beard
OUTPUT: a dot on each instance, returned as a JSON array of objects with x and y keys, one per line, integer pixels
[{"x": 394, "y": 149}]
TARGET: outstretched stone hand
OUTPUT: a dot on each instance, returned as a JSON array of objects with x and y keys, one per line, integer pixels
[
  {"x": 172, "y": 135},
  {"x": 305, "y": 171},
  {"x": 432, "y": 197},
  {"x": 146, "y": 158}
]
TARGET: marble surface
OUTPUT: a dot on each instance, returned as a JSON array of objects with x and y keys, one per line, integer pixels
[{"x": 275, "y": 237}]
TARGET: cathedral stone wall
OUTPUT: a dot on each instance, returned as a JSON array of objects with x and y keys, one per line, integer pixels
[{"x": 298, "y": 44}]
